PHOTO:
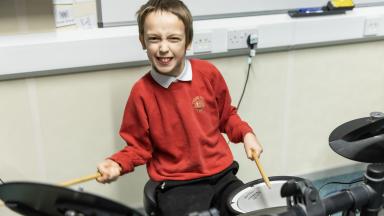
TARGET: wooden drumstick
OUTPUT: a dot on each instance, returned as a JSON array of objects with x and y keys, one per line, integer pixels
[
  {"x": 261, "y": 170},
  {"x": 80, "y": 180}
]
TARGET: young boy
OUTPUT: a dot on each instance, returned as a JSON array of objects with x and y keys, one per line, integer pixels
[{"x": 174, "y": 118}]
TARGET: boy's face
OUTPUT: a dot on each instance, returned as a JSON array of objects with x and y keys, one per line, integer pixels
[{"x": 164, "y": 39}]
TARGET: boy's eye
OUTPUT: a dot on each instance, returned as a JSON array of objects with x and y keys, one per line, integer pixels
[
  {"x": 175, "y": 39},
  {"x": 153, "y": 39}
]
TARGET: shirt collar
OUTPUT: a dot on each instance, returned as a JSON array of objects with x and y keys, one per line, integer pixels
[{"x": 166, "y": 81}]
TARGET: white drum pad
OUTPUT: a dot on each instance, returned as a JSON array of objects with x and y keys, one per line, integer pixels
[{"x": 259, "y": 197}]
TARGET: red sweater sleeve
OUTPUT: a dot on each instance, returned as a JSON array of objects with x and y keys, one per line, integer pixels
[
  {"x": 230, "y": 121},
  {"x": 135, "y": 131}
]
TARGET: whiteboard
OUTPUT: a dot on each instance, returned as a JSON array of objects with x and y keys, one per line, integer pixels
[{"x": 122, "y": 12}]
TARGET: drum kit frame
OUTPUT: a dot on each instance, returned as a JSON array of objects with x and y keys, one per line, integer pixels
[
  {"x": 360, "y": 140},
  {"x": 303, "y": 198}
]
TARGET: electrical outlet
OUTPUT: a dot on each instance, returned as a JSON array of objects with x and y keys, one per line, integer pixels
[
  {"x": 237, "y": 39},
  {"x": 372, "y": 26},
  {"x": 202, "y": 42}
]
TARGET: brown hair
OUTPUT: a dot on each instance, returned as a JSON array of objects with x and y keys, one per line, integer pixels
[{"x": 175, "y": 7}]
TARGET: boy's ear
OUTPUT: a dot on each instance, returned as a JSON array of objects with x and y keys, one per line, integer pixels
[{"x": 141, "y": 38}]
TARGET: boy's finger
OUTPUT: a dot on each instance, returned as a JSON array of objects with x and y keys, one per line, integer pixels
[
  {"x": 104, "y": 177},
  {"x": 249, "y": 154},
  {"x": 256, "y": 152}
]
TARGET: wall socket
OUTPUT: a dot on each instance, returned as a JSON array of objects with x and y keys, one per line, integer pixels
[
  {"x": 372, "y": 26},
  {"x": 202, "y": 42},
  {"x": 237, "y": 39}
]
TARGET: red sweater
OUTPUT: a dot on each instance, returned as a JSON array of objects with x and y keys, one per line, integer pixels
[{"x": 176, "y": 131}]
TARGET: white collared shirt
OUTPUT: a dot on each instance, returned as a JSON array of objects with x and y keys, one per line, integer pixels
[{"x": 166, "y": 81}]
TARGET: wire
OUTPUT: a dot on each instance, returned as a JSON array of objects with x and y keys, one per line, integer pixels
[
  {"x": 245, "y": 86},
  {"x": 252, "y": 41},
  {"x": 345, "y": 183},
  {"x": 251, "y": 54},
  {"x": 2, "y": 182}
]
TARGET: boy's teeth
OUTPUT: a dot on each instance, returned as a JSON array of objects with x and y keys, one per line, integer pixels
[{"x": 164, "y": 60}]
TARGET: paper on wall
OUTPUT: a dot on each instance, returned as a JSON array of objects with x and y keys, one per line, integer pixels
[
  {"x": 86, "y": 22},
  {"x": 64, "y": 16}
]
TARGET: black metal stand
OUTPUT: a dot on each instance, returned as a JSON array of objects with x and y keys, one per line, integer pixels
[
  {"x": 304, "y": 199},
  {"x": 374, "y": 177}
]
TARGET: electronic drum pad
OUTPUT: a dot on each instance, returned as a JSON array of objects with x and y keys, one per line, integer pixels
[
  {"x": 256, "y": 198},
  {"x": 35, "y": 199},
  {"x": 360, "y": 139}
]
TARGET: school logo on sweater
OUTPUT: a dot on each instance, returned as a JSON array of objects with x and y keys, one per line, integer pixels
[{"x": 198, "y": 103}]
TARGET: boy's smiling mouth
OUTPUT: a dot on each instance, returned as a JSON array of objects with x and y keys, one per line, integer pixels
[{"x": 164, "y": 60}]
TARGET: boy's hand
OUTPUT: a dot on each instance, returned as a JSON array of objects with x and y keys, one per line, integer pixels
[
  {"x": 251, "y": 143},
  {"x": 110, "y": 171}
]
